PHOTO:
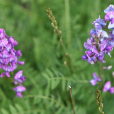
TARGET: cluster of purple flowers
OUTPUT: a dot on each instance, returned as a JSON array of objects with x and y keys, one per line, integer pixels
[
  {"x": 9, "y": 60},
  {"x": 101, "y": 43}
]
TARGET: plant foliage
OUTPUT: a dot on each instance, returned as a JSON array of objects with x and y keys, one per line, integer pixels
[{"x": 47, "y": 77}]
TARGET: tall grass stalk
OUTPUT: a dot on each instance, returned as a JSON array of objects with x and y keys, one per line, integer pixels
[{"x": 67, "y": 22}]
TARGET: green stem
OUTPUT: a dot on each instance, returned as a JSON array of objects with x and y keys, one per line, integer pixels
[
  {"x": 67, "y": 62},
  {"x": 101, "y": 73},
  {"x": 67, "y": 22},
  {"x": 102, "y": 80}
]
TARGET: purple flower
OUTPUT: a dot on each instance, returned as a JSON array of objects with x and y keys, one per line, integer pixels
[
  {"x": 110, "y": 39},
  {"x": 107, "y": 87},
  {"x": 108, "y": 48},
  {"x": 19, "y": 89},
  {"x": 19, "y": 77},
  {"x": 3, "y": 42},
  {"x": 18, "y": 53},
  {"x": 103, "y": 45},
  {"x": 89, "y": 53},
  {"x": 99, "y": 23},
  {"x": 84, "y": 57},
  {"x": 5, "y": 73},
  {"x": 100, "y": 58},
  {"x": 92, "y": 60},
  {"x": 95, "y": 79},
  {"x": 88, "y": 44},
  {"x": 110, "y": 17},
  {"x": 12, "y": 41},
  {"x": 94, "y": 49},
  {"x": 93, "y": 32},
  {"x": 109, "y": 8}
]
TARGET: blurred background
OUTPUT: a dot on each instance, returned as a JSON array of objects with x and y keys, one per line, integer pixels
[{"x": 47, "y": 77}]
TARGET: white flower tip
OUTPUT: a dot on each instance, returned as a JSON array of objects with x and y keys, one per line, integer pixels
[{"x": 108, "y": 68}]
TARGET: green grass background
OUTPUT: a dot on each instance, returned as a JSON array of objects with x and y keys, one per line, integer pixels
[{"x": 47, "y": 77}]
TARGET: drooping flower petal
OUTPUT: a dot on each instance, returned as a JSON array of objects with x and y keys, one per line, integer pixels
[
  {"x": 92, "y": 60},
  {"x": 107, "y": 86},
  {"x": 21, "y": 62},
  {"x": 19, "y": 89},
  {"x": 19, "y": 77}
]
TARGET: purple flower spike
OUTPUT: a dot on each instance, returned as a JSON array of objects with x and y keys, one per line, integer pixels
[
  {"x": 19, "y": 77},
  {"x": 19, "y": 89},
  {"x": 9, "y": 60},
  {"x": 107, "y": 87},
  {"x": 109, "y": 8},
  {"x": 95, "y": 79}
]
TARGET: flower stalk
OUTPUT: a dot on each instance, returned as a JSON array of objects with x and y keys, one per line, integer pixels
[
  {"x": 72, "y": 99},
  {"x": 54, "y": 24}
]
